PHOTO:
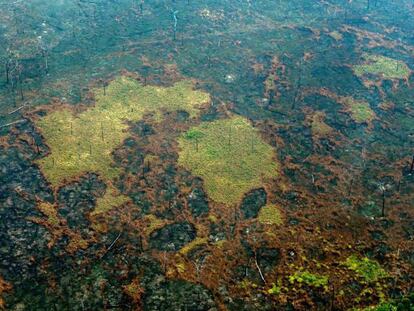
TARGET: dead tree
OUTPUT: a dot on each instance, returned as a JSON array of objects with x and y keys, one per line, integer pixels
[{"x": 45, "y": 55}]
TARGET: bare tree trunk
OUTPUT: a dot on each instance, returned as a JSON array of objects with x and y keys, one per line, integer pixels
[
  {"x": 112, "y": 245},
  {"x": 7, "y": 70},
  {"x": 258, "y": 268}
]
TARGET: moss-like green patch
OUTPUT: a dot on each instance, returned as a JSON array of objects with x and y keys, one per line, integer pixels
[
  {"x": 385, "y": 306},
  {"x": 383, "y": 67},
  {"x": 112, "y": 198},
  {"x": 366, "y": 268},
  {"x": 247, "y": 284},
  {"x": 318, "y": 126},
  {"x": 153, "y": 223},
  {"x": 134, "y": 290},
  {"x": 50, "y": 212},
  {"x": 85, "y": 142},
  {"x": 229, "y": 155},
  {"x": 308, "y": 278},
  {"x": 360, "y": 111},
  {"x": 275, "y": 289},
  {"x": 192, "y": 245},
  {"x": 404, "y": 303},
  {"x": 270, "y": 215}
]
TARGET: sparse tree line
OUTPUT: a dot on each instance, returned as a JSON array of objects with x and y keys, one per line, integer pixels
[{"x": 25, "y": 49}]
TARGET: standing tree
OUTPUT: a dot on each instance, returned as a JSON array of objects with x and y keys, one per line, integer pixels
[
  {"x": 383, "y": 188},
  {"x": 175, "y": 23}
]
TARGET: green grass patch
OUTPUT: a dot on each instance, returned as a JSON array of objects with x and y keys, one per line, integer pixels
[
  {"x": 192, "y": 245},
  {"x": 360, "y": 111},
  {"x": 318, "y": 126},
  {"x": 308, "y": 278},
  {"x": 384, "y": 67},
  {"x": 270, "y": 215},
  {"x": 50, "y": 212},
  {"x": 366, "y": 268},
  {"x": 404, "y": 303},
  {"x": 85, "y": 142},
  {"x": 112, "y": 198},
  {"x": 275, "y": 290},
  {"x": 229, "y": 155},
  {"x": 385, "y": 306}
]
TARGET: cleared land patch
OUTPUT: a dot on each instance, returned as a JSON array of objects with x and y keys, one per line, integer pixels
[
  {"x": 230, "y": 156},
  {"x": 270, "y": 215},
  {"x": 84, "y": 142},
  {"x": 383, "y": 67}
]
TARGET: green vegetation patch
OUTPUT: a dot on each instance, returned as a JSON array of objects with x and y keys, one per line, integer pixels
[
  {"x": 318, "y": 126},
  {"x": 383, "y": 67},
  {"x": 230, "y": 156},
  {"x": 404, "y": 303},
  {"x": 50, "y": 212},
  {"x": 360, "y": 111},
  {"x": 192, "y": 245},
  {"x": 385, "y": 306},
  {"x": 368, "y": 269},
  {"x": 275, "y": 289},
  {"x": 308, "y": 278},
  {"x": 111, "y": 198},
  {"x": 85, "y": 142},
  {"x": 270, "y": 215}
]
